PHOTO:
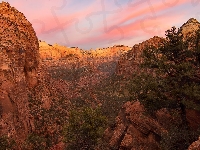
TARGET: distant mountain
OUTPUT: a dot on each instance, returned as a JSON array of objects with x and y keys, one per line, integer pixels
[{"x": 56, "y": 52}]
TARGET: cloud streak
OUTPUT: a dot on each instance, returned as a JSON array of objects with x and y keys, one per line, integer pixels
[{"x": 100, "y": 23}]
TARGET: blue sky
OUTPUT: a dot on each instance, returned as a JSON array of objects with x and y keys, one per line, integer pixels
[{"x": 102, "y": 23}]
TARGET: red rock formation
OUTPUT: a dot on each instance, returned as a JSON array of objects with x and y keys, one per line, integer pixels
[
  {"x": 18, "y": 64},
  {"x": 195, "y": 145},
  {"x": 134, "y": 130},
  {"x": 190, "y": 27},
  {"x": 128, "y": 63}
]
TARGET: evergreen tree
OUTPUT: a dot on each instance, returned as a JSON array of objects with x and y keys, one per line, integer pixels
[
  {"x": 85, "y": 128},
  {"x": 170, "y": 75}
]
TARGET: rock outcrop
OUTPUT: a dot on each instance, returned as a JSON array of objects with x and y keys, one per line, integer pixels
[
  {"x": 190, "y": 27},
  {"x": 128, "y": 63},
  {"x": 134, "y": 130},
  {"x": 195, "y": 145},
  {"x": 19, "y": 53}
]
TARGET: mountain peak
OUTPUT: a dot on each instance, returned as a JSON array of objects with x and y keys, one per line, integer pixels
[
  {"x": 192, "y": 20},
  {"x": 190, "y": 23},
  {"x": 190, "y": 27}
]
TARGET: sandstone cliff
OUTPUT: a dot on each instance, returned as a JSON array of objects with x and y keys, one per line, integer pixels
[
  {"x": 19, "y": 53},
  {"x": 134, "y": 129},
  {"x": 129, "y": 61},
  {"x": 58, "y": 52}
]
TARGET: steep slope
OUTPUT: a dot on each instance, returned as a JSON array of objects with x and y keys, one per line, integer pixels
[{"x": 18, "y": 64}]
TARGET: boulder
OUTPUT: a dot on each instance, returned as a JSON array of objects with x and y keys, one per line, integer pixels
[{"x": 134, "y": 130}]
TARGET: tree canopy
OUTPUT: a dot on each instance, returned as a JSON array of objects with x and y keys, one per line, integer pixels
[
  {"x": 85, "y": 128},
  {"x": 171, "y": 74},
  {"x": 169, "y": 78}
]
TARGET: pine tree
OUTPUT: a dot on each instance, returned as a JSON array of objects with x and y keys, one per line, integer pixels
[
  {"x": 85, "y": 128},
  {"x": 170, "y": 75}
]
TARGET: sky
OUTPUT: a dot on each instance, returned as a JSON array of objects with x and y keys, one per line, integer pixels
[{"x": 91, "y": 24}]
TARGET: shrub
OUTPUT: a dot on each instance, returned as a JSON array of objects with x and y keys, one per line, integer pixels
[
  {"x": 85, "y": 128},
  {"x": 6, "y": 143}
]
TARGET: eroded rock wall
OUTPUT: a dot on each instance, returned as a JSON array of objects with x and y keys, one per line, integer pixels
[{"x": 19, "y": 53}]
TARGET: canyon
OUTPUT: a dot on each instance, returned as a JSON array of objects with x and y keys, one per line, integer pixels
[{"x": 40, "y": 83}]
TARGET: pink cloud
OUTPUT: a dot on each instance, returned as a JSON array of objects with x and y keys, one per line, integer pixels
[
  {"x": 151, "y": 10},
  {"x": 110, "y": 22},
  {"x": 50, "y": 16},
  {"x": 54, "y": 22},
  {"x": 148, "y": 26}
]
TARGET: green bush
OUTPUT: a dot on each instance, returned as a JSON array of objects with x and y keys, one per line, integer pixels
[
  {"x": 6, "y": 143},
  {"x": 35, "y": 142},
  {"x": 85, "y": 128},
  {"x": 178, "y": 138},
  {"x": 48, "y": 127}
]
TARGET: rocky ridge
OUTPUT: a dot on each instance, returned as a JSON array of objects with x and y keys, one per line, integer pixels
[
  {"x": 58, "y": 52},
  {"x": 129, "y": 61},
  {"x": 134, "y": 129}
]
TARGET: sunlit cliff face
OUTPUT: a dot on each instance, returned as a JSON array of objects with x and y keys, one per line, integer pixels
[
  {"x": 19, "y": 54},
  {"x": 190, "y": 27},
  {"x": 18, "y": 46}
]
